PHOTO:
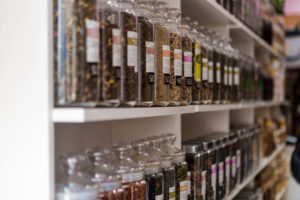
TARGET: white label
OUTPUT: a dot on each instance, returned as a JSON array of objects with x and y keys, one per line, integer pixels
[
  {"x": 177, "y": 62},
  {"x": 204, "y": 69},
  {"x": 203, "y": 184},
  {"x": 159, "y": 197},
  {"x": 236, "y": 76},
  {"x": 183, "y": 190},
  {"x": 132, "y": 49},
  {"x": 230, "y": 76},
  {"x": 90, "y": 194},
  {"x": 189, "y": 182},
  {"x": 92, "y": 41},
  {"x": 238, "y": 158},
  {"x": 225, "y": 75},
  {"x": 233, "y": 166},
  {"x": 218, "y": 68},
  {"x": 166, "y": 59},
  {"x": 188, "y": 64},
  {"x": 210, "y": 72},
  {"x": 214, "y": 177},
  {"x": 221, "y": 173},
  {"x": 116, "y": 47},
  {"x": 150, "y": 57},
  {"x": 172, "y": 193}
]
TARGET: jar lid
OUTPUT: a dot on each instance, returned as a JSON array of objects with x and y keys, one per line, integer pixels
[
  {"x": 192, "y": 148},
  {"x": 97, "y": 153},
  {"x": 178, "y": 157},
  {"x": 168, "y": 137},
  {"x": 166, "y": 161},
  {"x": 154, "y": 139},
  {"x": 139, "y": 143}
]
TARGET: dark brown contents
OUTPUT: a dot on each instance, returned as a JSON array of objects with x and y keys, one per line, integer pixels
[
  {"x": 194, "y": 162},
  {"x": 155, "y": 185},
  {"x": 204, "y": 75},
  {"x": 223, "y": 78},
  {"x": 135, "y": 190},
  {"x": 210, "y": 76},
  {"x": 216, "y": 83},
  {"x": 112, "y": 195},
  {"x": 169, "y": 182},
  {"x": 180, "y": 175},
  {"x": 187, "y": 80}
]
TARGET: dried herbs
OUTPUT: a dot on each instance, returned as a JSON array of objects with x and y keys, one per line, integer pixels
[
  {"x": 204, "y": 76},
  {"x": 187, "y": 78},
  {"x": 169, "y": 182},
  {"x": 216, "y": 76},
  {"x": 210, "y": 75},
  {"x": 155, "y": 186},
  {"x": 180, "y": 176}
]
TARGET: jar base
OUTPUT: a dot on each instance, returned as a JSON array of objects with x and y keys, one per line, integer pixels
[
  {"x": 174, "y": 104},
  {"x": 144, "y": 104},
  {"x": 161, "y": 104},
  {"x": 195, "y": 102},
  {"x": 128, "y": 104},
  {"x": 109, "y": 103}
]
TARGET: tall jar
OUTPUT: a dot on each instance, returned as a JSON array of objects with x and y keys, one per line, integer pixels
[
  {"x": 133, "y": 182},
  {"x": 76, "y": 71},
  {"x": 100, "y": 172},
  {"x": 172, "y": 24},
  {"x": 224, "y": 70},
  {"x": 236, "y": 76},
  {"x": 153, "y": 174},
  {"x": 225, "y": 147},
  {"x": 162, "y": 56},
  {"x": 230, "y": 72},
  {"x": 153, "y": 149},
  {"x": 129, "y": 52},
  {"x": 197, "y": 41},
  {"x": 168, "y": 171},
  {"x": 210, "y": 65},
  {"x": 72, "y": 183},
  {"x": 232, "y": 150},
  {"x": 110, "y": 51},
  {"x": 146, "y": 61},
  {"x": 216, "y": 69},
  {"x": 168, "y": 146},
  {"x": 194, "y": 157},
  {"x": 187, "y": 65},
  {"x": 181, "y": 189}
]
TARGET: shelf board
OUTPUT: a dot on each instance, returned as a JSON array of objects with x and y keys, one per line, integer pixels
[
  {"x": 81, "y": 115},
  {"x": 265, "y": 162}
]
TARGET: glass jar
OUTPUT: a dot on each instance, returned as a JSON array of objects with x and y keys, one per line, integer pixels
[
  {"x": 172, "y": 24},
  {"x": 194, "y": 157},
  {"x": 187, "y": 65},
  {"x": 236, "y": 76},
  {"x": 76, "y": 71},
  {"x": 162, "y": 56},
  {"x": 101, "y": 173},
  {"x": 133, "y": 182},
  {"x": 225, "y": 147},
  {"x": 72, "y": 182},
  {"x": 224, "y": 70},
  {"x": 181, "y": 189},
  {"x": 110, "y": 51},
  {"x": 168, "y": 171},
  {"x": 168, "y": 145},
  {"x": 154, "y": 176},
  {"x": 153, "y": 150},
  {"x": 230, "y": 72},
  {"x": 129, "y": 52},
  {"x": 210, "y": 66},
  {"x": 145, "y": 53},
  {"x": 216, "y": 69},
  {"x": 232, "y": 150},
  {"x": 197, "y": 41}
]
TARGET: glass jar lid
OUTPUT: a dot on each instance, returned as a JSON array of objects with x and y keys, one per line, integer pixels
[
  {"x": 184, "y": 26},
  {"x": 140, "y": 156},
  {"x": 178, "y": 157},
  {"x": 168, "y": 143},
  {"x": 153, "y": 149},
  {"x": 166, "y": 161}
]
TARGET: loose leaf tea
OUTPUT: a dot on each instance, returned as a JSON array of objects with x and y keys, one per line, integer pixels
[
  {"x": 181, "y": 180},
  {"x": 216, "y": 76},
  {"x": 169, "y": 182},
  {"x": 155, "y": 186},
  {"x": 204, "y": 75},
  {"x": 210, "y": 75},
  {"x": 187, "y": 78}
]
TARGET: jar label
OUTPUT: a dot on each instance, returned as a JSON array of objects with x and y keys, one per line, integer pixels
[
  {"x": 233, "y": 166},
  {"x": 218, "y": 68},
  {"x": 238, "y": 158},
  {"x": 189, "y": 181},
  {"x": 177, "y": 62},
  {"x": 188, "y": 64},
  {"x": 203, "y": 184},
  {"x": 204, "y": 69},
  {"x": 230, "y": 75},
  {"x": 116, "y": 47},
  {"x": 183, "y": 190},
  {"x": 197, "y": 61},
  {"x": 92, "y": 41},
  {"x": 166, "y": 59},
  {"x": 214, "y": 178},
  {"x": 236, "y": 76},
  {"x": 159, "y": 197},
  {"x": 132, "y": 49},
  {"x": 172, "y": 193},
  {"x": 210, "y": 72},
  {"x": 221, "y": 173},
  {"x": 225, "y": 75},
  {"x": 150, "y": 57},
  {"x": 80, "y": 195},
  {"x": 227, "y": 173}
]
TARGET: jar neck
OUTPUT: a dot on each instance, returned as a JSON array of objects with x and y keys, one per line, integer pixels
[
  {"x": 142, "y": 12},
  {"x": 152, "y": 169},
  {"x": 121, "y": 155}
]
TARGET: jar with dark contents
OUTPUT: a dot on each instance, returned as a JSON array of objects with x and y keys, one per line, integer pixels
[
  {"x": 227, "y": 70},
  {"x": 172, "y": 24},
  {"x": 110, "y": 51},
  {"x": 154, "y": 176},
  {"x": 196, "y": 62},
  {"x": 230, "y": 73},
  {"x": 216, "y": 69},
  {"x": 168, "y": 146},
  {"x": 187, "y": 65},
  {"x": 194, "y": 158},
  {"x": 210, "y": 66},
  {"x": 162, "y": 56},
  {"x": 243, "y": 145},
  {"x": 250, "y": 149},
  {"x": 153, "y": 149},
  {"x": 238, "y": 155},
  {"x": 76, "y": 72},
  {"x": 133, "y": 182},
  {"x": 129, "y": 52},
  {"x": 224, "y": 70},
  {"x": 101, "y": 173},
  {"x": 236, "y": 76},
  {"x": 232, "y": 151},
  {"x": 181, "y": 189},
  {"x": 225, "y": 150},
  {"x": 168, "y": 171},
  {"x": 145, "y": 53}
]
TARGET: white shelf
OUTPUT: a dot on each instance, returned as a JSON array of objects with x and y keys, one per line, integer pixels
[
  {"x": 80, "y": 115},
  {"x": 265, "y": 162}
]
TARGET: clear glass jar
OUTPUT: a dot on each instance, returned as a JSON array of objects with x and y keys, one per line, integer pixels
[
  {"x": 172, "y": 24},
  {"x": 145, "y": 53},
  {"x": 229, "y": 51},
  {"x": 194, "y": 157},
  {"x": 153, "y": 150},
  {"x": 181, "y": 189},
  {"x": 236, "y": 76},
  {"x": 167, "y": 145},
  {"x": 162, "y": 56},
  {"x": 224, "y": 70},
  {"x": 72, "y": 183},
  {"x": 168, "y": 171},
  {"x": 76, "y": 56},
  {"x": 100, "y": 172},
  {"x": 110, "y": 50},
  {"x": 133, "y": 181},
  {"x": 187, "y": 65},
  {"x": 154, "y": 176},
  {"x": 232, "y": 150},
  {"x": 129, "y": 52},
  {"x": 216, "y": 69},
  {"x": 210, "y": 66}
]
